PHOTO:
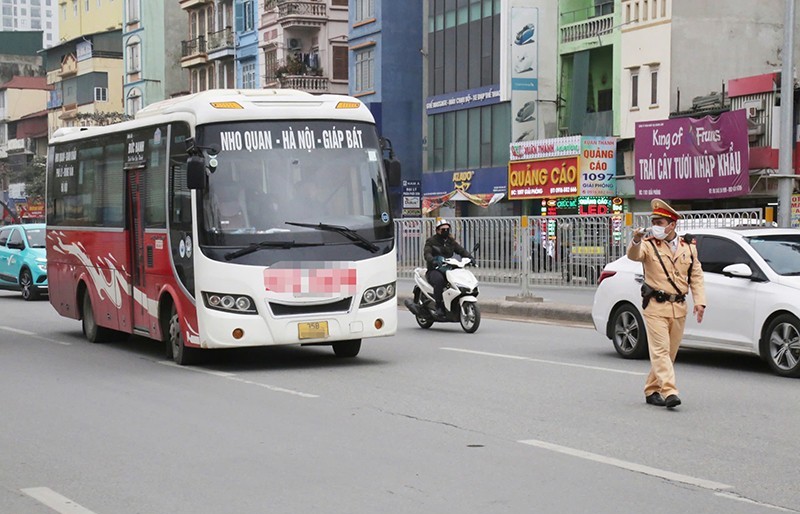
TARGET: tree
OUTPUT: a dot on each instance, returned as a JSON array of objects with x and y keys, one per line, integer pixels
[
  {"x": 33, "y": 175},
  {"x": 102, "y": 118}
]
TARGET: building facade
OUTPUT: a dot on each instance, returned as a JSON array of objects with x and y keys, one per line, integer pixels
[
  {"x": 304, "y": 45},
  {"x": 386, "y": 74},
  {"x": 152, "y": 53},
  {"x": 208, "y": 54},
  {"x": 247, "y": 75},
  {"x": 491, "y": 79},
  {"x": 31, "y": 15}
]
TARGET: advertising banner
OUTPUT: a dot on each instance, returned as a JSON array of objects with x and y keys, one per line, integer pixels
[
  {"x": 686, "y": 158},
  {"x": 795, "y": 211},
  {"x": 412, "y": 198},
  {"x": 468, "y": 99},
  {"x": 544, "y": 178},
  {"x": 598, "y": 166},
  {"x": 524, "y": 73}
]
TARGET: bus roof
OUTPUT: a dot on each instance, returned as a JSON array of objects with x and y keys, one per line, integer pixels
[{"x": 221, "y": 105}]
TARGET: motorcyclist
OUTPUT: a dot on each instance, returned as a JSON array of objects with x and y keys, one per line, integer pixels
[{"x": 439, "y": 247}]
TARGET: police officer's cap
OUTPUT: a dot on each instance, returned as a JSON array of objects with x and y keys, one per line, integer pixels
[{"x": 661, "y": 209}]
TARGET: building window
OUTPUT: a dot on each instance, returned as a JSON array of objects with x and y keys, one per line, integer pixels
[
  {"x": 339, "y": 3},
  {"x": 635, "y": 89},
  {"x": 134, "y": 10},
  {"x": 364, "y": 9},
  {"x": 75, "y": 8},
  {"x": 101, "y": 94},
  {"x": 134, "y": 55},
  {"x": 270, "y": 65},
  {"x": 340, "y": 64},
  {"x": 654, "y": 86},
  {"x": 364, "y": 73},
  {"x": 86, "y": 5},
  {"x": 249, "y": 75},
  {"x": 134, "y": 101},
  {"x": 249, "y": 23}
]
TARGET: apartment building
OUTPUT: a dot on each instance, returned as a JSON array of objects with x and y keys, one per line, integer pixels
[{"x": 208, "y": 54}]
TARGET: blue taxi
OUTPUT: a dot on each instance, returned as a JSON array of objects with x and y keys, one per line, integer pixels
[{"x": 23, "y": 261}]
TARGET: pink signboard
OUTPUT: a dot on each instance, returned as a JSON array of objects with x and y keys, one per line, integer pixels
[{"x": 686, "y": 158}]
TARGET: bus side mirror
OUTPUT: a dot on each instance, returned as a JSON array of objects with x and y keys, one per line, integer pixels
[
  {"x": 392, "y": 167},
  {"x": 196, "y": 172}
]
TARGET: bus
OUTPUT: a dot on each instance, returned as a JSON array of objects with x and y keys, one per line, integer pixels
[{"x": 226, "y": 218}]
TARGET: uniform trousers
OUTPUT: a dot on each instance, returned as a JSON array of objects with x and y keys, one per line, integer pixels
[{"x": 664, "y": 335}]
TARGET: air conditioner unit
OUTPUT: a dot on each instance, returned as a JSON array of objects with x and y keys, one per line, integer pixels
[{"x": 294, "y": 44}]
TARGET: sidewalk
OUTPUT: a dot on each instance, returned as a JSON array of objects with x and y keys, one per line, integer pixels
[{"x": 548, "y": 302}]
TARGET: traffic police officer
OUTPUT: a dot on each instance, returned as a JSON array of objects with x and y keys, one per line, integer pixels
[{"x": 671, "y": 270}]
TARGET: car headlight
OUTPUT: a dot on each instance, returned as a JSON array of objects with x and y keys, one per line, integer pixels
[
  {"x": 378, "y": 294},
  {"x": 237, "y": 303},
  {"x": 42, "y": 266}
]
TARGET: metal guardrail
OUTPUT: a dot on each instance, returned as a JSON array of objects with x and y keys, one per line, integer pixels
[{"x": 530, "y": 251}]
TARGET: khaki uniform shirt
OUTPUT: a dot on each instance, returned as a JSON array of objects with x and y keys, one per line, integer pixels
[{"x": 677, "y": 265}]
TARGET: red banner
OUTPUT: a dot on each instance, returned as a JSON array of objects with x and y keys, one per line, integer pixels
[{"x": 543, "y": 178}]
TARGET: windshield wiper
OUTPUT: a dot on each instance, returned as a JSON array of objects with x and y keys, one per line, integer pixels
[
  {"x": 349, "y": 233},
  {"x": 254, "y": 247}
]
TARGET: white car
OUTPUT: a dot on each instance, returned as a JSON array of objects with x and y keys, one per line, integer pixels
[{"x": 752, "y": 283}]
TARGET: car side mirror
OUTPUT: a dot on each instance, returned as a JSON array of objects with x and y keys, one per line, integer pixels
[
  {"x": 740, "y": 270},
  {"x": 392, "y": 167},
  {"x": 196, "y": 172}
]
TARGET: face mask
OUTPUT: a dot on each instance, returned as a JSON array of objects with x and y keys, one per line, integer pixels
[
  {"x": 445, "y": 233},
  {"x": 659, "y": 232}
]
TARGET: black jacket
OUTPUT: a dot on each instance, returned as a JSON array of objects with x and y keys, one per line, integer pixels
[{"x": 436, "y": 245}]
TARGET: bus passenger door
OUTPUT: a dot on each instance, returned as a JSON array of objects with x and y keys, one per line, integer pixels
[{"x": 136, "y": 195}]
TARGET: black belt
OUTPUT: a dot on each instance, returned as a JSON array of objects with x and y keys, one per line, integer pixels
[{"x": 661, "y": 297}]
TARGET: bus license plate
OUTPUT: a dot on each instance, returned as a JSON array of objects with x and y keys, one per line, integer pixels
[{"x": 312, "y": 330}]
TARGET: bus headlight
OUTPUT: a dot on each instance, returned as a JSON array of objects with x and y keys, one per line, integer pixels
[
  {"x": 240, "y": 304},
  {"x": 378, "y": 294}
]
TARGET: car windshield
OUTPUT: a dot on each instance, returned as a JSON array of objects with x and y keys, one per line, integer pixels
[
  {"x": 279, "y": 180},
  {"x": 781, "y": 252},
  {"x": 35, "y": 237}
]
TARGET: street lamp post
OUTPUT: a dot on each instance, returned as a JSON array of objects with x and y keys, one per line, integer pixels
[{"x": 785, "y": 165}]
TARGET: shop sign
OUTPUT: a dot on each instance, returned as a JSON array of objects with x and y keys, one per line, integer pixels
[
  {"x": 795, "y": 211},
  {"x": 686, "y": 158},
  {"x": 544, "y": 178}
]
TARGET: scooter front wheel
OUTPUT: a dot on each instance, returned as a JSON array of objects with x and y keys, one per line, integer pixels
[
  {"x": 470, "y": 317},
  {"x": 424, "y": 322}
]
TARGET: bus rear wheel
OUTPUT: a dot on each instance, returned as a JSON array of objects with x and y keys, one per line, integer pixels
[
  {"x": 93, "y": 332},
  {"x": 347, "y": 348},
  {"x": 180, "y": 353}
]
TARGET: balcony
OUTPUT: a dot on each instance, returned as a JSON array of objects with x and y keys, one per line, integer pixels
[
  {"x": 220, "y": 44},
  {"x": 300, "y": 13},
  {"x": 193, "y": 52},
  {"x": 308, "y": 83},
  {"x": 26, "y": 145},
  {"x": 190, "y": 4},
  {"x": 589, "y": 29}
]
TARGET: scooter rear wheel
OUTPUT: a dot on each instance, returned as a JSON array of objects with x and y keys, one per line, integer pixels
[
  {"x": 423, "y": 322},
  {"x": 470, "y": 317}
]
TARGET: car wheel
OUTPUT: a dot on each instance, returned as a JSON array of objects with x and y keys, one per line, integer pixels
[
  {"x": 347, "y": 348},
  {"x": 180, "y": 353},
  {"x": 628, "y": 333},
  {"x": 93, "y": 332},
  {"x": 780, "y": 346},
  {"x": 29, "y": 291},
  {"x": 470, "y": 317}
]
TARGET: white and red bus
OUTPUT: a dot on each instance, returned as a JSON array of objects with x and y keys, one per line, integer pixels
[{"x": 227, "y": 218}]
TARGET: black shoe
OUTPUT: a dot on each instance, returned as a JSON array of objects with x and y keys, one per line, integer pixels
[
  {"x": 672, "y": 401},
  {"x": 655, "y": 399}
]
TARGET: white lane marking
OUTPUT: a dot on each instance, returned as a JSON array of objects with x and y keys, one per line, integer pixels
[
  {"x": 233, "y": 377},
  {"x": 736, "y": 497},
  {"x": 55, "y": 501},
  {"x": 543, "y": 361},
  {"x": 630, "y": 466},
  {"x": 18, "y": 331},
  {"x": 33, "y": 334}
]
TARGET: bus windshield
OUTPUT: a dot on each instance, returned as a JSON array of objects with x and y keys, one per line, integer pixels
[{"x": 278, "y": 181}]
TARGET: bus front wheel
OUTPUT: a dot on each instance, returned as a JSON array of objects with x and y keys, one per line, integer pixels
[
  {"x": 347, "y": 348},
  {"x": 180, "y": 353}
]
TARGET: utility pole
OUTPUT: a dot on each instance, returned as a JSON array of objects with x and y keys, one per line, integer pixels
[{"x": 786, "y": 176}]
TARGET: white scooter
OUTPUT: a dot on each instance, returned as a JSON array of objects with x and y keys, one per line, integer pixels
[{"x": 460, "y": 302}]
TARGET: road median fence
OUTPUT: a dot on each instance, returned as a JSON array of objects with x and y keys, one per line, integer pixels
[{"x": 530, "y": 251}]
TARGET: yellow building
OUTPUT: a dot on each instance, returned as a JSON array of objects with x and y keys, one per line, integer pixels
[{"x": 80, "y": 17}]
